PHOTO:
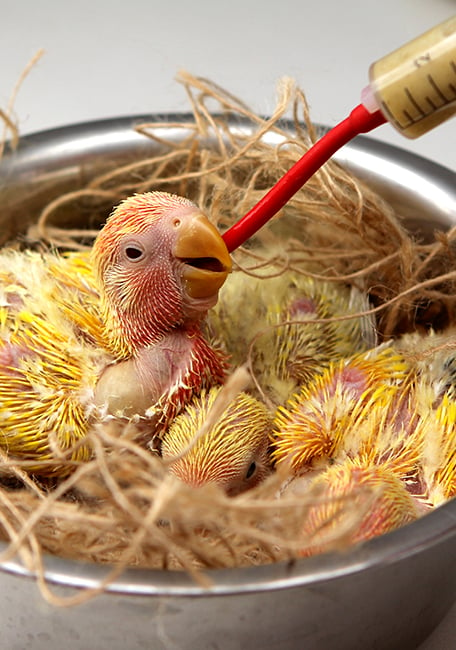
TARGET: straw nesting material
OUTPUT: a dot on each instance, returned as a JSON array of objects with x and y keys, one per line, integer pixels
[{"x": 123, "y": 507}]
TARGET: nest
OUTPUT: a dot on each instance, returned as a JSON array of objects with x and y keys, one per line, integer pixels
[{"x": 123, "y": 508}]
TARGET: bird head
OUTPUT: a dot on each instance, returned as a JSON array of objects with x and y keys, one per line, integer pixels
[
  {"x": 232, "y": 453},
  {"x": 160, "y": 264}
]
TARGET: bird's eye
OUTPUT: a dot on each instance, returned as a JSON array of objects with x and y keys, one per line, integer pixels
[
  {"x": 251, "y": 470},
  {"x": 134, "y": 253}
]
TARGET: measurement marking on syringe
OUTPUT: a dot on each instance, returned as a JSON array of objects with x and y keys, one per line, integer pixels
[
  {"x": 409, "y": 118},
  {"x": 451, "y": 86},
  {"x": 414, "y": 102},
  {"x": 437, "y": 89},
  {"x": 392, "y": 118}
]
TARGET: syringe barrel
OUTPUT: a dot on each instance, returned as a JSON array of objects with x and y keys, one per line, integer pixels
[{"x": 415, "y": 86}]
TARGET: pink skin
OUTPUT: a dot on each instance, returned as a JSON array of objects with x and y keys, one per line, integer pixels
[
  {"x": 182, "y": 359},
  {"x": 145, "y": 294},
  {"x": 14, "y": 301},
  {"x": 352, "y": 379},
  {"x": 10, "y": 357},
  {"x": 302, "y": 306},
  {"x": 150, "y": 307}
]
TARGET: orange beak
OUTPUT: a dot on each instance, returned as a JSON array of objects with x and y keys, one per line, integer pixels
[{"x": 206, "y": 259}]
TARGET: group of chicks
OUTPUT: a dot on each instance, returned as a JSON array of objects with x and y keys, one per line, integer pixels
[
  {"x": 370, "y": 428},
  {"x": 141, "y": 331}
]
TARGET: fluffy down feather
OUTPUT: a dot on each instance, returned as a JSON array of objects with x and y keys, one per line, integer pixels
[
  {"x": 232, "y": 453},
  {"x": 317, "y": 420},
  {"x": 277, "y": 323},
  {"x": 111, "y": 334}
]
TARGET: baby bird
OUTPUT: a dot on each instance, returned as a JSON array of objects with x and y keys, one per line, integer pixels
[
  {"x": 114, "y": 335},
  {"x": 356, "y": 501},
  {"x": 232, "y": 452},
  {"x": 439, "y": 452},
  {"x": 433, "y": 355},
  {"x": 316, "y": 420},
  {"x": 277, "y": 323}
]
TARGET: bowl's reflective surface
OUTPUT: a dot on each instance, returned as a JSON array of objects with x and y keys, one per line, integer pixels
[{"x": 388, "y": 593}]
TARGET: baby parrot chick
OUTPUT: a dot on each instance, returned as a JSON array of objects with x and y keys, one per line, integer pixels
[
  {"x": 114, "y": 334},
  {"x": 356, "y": 501},
  {"x": 313, "y": 424},
  {"x": 433, "y": 355},
  {"x": 281, "y": 324},
  {"x": 159, "y": 263},
  {"x": 232, "y": 452},
  {"x": 439, "y": 452}
]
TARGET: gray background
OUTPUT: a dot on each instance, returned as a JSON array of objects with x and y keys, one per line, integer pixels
[{"x": 110, "y": 58}]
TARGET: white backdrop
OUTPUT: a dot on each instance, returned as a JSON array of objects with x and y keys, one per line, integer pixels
[{"x": 106, "y": 58}]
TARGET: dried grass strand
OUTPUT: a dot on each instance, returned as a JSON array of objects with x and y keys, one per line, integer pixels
[
  {"x": 6, "y": 115},
  {"x": 122, "y": 508}
]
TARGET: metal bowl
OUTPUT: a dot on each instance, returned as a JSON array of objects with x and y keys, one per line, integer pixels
[{"x": 388, "y": 593}]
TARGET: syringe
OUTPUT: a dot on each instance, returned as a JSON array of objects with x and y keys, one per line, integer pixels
[{"x": 413, "y": 88}]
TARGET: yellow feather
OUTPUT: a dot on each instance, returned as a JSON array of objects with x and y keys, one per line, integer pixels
[
  {"x": 316, "y": 420},
  {"x": 55, "y": 358},
  {"x": 274, "y": 321},
  {"x": 439, "y": 452},
  {"x": 232, "y": 453},
  {"x": 357, "y": 501}
]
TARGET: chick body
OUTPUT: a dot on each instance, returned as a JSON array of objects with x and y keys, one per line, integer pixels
[
  {"x": 47, "y": 370},
  {"x": 277, "y": 323},
  {"x": 115, "y": 333},
  {"x": 439, "y": 452},
  {"x": 356, "y": 501},
  {"x": 232, "y": 452},
  {"x": 313, "y": 425}
]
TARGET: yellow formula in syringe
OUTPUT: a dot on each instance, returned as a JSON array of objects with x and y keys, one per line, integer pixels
[{"x": 415, "y": 86}]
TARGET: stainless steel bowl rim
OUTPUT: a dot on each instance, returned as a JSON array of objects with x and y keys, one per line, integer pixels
[{"x": 424, "y": 180}]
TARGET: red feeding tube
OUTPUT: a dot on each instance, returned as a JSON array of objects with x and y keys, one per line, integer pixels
[{"x": 359, "y": 121}]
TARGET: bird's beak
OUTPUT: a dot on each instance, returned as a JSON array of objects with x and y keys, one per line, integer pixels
[{"x": 205, "y": 256}]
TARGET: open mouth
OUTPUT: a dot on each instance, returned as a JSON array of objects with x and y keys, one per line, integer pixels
[
  {"x": 211, "y": 264},
  {"x": 204, "y": 256},
  {"x": 203, "y": 275}
]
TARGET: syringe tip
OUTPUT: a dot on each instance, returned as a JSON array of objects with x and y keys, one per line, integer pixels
[{"x": 368, "y": 100}]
